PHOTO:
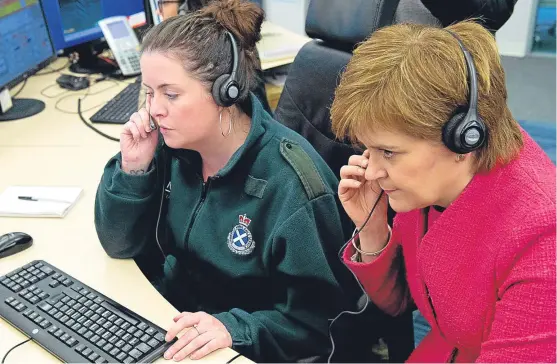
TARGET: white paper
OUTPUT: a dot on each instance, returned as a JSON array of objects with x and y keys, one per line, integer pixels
[{"x": 52, "y": 201}]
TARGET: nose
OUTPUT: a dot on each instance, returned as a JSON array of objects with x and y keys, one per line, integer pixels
[
  {"x": 375, "y": 169},
  {"x": 157, "y": 107}
]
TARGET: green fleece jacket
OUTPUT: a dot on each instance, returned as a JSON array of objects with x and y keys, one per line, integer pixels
[{"x": 255, "y": 245}]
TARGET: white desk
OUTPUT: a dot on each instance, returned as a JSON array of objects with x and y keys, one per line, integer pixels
[
  {"x": 53, "y": 148},
  {"x": 278, "y": 46}
]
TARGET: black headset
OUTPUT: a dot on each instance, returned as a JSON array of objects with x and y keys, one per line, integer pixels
[
  {"x": 466, "y": 131},
  {"x": 225, "y": 88}
]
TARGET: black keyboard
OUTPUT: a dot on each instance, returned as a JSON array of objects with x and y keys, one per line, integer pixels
[
  {"x": 121, "y": 107},
  {"x": 73, "y": 321}
]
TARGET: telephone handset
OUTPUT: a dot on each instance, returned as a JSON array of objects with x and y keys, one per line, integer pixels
[{"x": 123, "y": 42}]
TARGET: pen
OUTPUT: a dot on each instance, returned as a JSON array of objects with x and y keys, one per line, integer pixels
[{"x": 38, "y": 199}]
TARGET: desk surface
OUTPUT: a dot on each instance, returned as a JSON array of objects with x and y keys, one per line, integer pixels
[{"x": 55, "y": 148}]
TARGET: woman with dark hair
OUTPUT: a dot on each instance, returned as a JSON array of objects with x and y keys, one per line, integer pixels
[{"x": 232, "y": 215}]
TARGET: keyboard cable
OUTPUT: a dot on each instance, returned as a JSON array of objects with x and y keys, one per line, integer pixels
[
  {"x": 91, "y": 126},
  {"x": 13, "y": 347}
]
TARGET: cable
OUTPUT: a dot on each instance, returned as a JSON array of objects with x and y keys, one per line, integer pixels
[
  {"x": 91, "y": 126},
  {"x": 87, "y": 93},
  {"x": 234, "y": 358},
  {"x": 21, "y": 89},
  {"x": 356, "y": 278},
  {"x": 13, "y": 347},
  {"x": 51, "y": 71}
]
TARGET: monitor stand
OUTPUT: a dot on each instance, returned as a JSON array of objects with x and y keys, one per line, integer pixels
[
  {"x": 88, "y": 61},
  {"x": 22, "y": 108}
]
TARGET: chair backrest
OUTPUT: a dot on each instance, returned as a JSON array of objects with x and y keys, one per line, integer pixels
[{"x": 336, "y": 26}]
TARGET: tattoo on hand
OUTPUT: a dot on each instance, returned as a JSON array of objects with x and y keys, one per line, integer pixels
[{"x": 137, "y": 172}]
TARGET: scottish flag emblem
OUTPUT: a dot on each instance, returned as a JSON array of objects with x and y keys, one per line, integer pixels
[{"x": 239, "y": 239}]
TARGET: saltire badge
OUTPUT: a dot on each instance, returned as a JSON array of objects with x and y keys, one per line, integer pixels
[{"x": 240, "y": 240}]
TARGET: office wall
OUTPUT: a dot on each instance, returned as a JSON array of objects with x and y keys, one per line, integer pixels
[
  {"x": 290, "y": 14},
  {"x": 515, "y": 37}
]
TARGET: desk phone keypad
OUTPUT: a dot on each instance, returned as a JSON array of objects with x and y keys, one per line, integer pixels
[{"x": 74, "y": 322}]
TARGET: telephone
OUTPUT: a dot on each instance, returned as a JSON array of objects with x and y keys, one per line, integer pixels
[{"x": 123, "y": 42}]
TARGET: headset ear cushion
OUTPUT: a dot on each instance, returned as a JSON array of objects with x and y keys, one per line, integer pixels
[
  {"x": 449, "y": 130},
  {"x": 219, "y": 98}
]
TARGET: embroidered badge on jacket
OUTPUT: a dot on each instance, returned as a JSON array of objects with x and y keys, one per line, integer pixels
[{"x": 240, "y": 240}]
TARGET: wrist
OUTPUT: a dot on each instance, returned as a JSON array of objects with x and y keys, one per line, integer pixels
[
  {"x": 135, "y": 168},
  {"x": 372, "y": 240}
]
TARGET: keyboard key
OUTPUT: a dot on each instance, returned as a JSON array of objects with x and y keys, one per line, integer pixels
[
  {"x": 71, "y": 342},
  {"x": 93, "y": 356},
  {"x": 120, "y": 357},
  {"x": 129, "y": 360},
  {"x": 20, "y": 307},
  {"x": 9, "y": 299},
  {"x": 127, "y": 348},
  {"x": 86, "y": 352},
  {"x": 142, "y": 326},
  {"x": 120, "y": 343},
  {"x": 52, "y": 329},
  {"x": 67, "y": 282},
  {"x": 114, "y": 352},
  {"x": 58, "y": 333},
  {"x": 101, "y": 343},
  {"x": 64, "y": 337},
  {"x": 101, "y": 360},
  {"x": 151, "y": 331},
  {"x": 80, "y": 347},
  {"x": 144, "y": 348},
  {"x": 54, "y": 284},
  {"x": 108, "y": 347},
  {"x": 34, "y": 299},
  {"x": 153, "y": 343},
  {"x": 134, "y": 341},
  {"x": 45, "y": 324},
  {"x": 136, "y": 353},
  {"x": 145, "y": 338},
  {"x": 47, "y": 270}
]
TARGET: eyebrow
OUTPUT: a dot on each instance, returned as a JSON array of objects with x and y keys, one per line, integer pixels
[
  {"x": 381, "y": 146},
  {"x": 164, "y": 85}
]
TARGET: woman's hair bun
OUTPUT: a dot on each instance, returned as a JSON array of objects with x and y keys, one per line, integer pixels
[{"x": 242, "y": 18}]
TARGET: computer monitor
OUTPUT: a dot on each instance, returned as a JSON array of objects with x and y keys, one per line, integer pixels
[
  {"x": 25, "y": 47},
  {"x": 73, "y": 26}
]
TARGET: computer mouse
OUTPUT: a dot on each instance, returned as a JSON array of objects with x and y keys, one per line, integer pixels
[{"x": 12, "y": 243}]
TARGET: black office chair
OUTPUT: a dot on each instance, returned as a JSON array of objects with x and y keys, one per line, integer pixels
[{"x": 337, "y": 26}]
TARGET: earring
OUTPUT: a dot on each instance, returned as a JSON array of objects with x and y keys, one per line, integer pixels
[
  {"x": 229, "y": 123},
  {"x": 460, "y": 157}
]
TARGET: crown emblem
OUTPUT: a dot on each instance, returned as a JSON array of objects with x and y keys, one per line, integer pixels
[{"x": 244, "y": 220}]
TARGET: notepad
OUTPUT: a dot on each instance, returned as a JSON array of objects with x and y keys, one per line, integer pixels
[{"x": 42, "y": 201}]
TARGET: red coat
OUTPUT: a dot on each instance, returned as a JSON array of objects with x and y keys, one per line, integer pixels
[{"x": 488, "y": 263}]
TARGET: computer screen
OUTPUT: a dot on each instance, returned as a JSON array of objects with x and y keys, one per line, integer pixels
[
  {"x": 25, "y": 45},
  {"x": 74, "y": 22}
]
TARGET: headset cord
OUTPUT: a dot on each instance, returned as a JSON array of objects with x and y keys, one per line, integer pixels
[
  {"x": 13, "y": 347},
  {"x": 367, "y": 300},
  {"x": 91, "y": 126}
]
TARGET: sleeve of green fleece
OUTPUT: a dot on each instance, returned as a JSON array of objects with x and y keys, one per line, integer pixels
[
  {"x": 126, "y": 208},
  {"x": 306, "y": 291}
]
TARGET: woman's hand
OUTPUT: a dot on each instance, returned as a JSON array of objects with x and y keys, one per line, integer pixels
[
  {"x": 138, "y": 142},
  {"x": 205, "y": 334},
  {"x": 358, "y": 195}
]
